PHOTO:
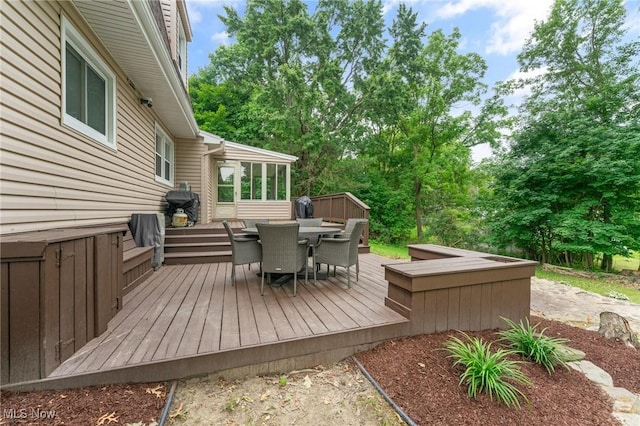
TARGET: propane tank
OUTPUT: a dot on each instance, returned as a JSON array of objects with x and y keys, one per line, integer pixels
[{"x": 179, "y": 218}]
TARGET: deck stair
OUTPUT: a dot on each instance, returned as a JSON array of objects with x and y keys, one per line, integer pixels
[
  {"x": 198, "y": 244},
  {"x": 206, "y": 243}
]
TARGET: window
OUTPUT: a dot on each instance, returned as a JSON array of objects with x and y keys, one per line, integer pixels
[
  {"x": 164, "y": 157},
  {"x": 259, "y": 178},
  {"x": 182, "y": 52},
  {"x": 226, "y": 183},
  {"x": 88, "y": 99},
  {"x": 276, "y": 182}
]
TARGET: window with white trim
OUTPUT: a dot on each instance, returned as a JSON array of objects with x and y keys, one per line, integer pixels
[
  {"x": 263, "y": 181},
  {"x": 88, "y": 89},
  {"x": 164, "y": 157},
  {"x": 182, "y": 52}
]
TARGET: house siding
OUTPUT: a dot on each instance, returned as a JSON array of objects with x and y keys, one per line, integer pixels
[
  {"x": 52, "y": 176},
  {"x": 189, "y": 163},
  {"x": 264, "y": 210}
]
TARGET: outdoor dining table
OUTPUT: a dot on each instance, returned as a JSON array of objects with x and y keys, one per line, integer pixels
[{"x": 312, "y": 233}]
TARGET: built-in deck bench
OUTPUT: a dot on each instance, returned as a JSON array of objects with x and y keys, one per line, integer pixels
[
  {"x": 456, "y": 289},
  {"x": 136, "y": 263}
]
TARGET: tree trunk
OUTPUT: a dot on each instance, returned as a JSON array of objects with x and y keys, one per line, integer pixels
[
  {"x": 607, "y": 262},
  {"x": 417, "y": 186}
]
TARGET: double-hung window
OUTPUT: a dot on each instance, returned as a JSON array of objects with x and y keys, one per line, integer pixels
[
  {"x": 164, "y": 157},
  {"x": 89, "y": 89}
]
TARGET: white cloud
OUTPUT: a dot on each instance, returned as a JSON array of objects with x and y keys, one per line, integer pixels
[
  {"x": 195, "y": 16},
  {"x": 220, "y": 38},
  {"x": 514, "y": 20}
]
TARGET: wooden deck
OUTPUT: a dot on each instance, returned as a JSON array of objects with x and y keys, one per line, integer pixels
[{"x": 188, "y": 320}]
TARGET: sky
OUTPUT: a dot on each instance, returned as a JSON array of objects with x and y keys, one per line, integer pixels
[{"x": 495, "y": 29}]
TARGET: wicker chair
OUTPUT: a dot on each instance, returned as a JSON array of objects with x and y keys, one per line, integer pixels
[
  {"x": 282, "y": 252},
  {"x": 316, "y": 221},
  {"x": 251, "y": 223},
  {"x": 313, "y": 242},
  {"x": 341, "y": 251},
  {"x": 244, "y": 251}
]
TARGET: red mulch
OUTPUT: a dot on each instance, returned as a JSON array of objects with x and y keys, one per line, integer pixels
[
  {"x": 101, "y": 405},
  {"x": 419, "y": 377}
]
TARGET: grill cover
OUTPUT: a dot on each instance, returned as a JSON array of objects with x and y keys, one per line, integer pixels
[
  {"x": 304, "y": 208},
  {"x": 185, "y": 200}
]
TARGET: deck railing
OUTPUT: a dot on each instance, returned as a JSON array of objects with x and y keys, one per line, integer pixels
[{"x": 340, "y": 207}]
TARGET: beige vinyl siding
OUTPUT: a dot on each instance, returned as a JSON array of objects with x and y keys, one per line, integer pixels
[
  {"x": 169, "y": 11},
  {"x": 264, "y": 210},
  {"x": 189, "y": 163},
  {"x": 52, "y": 176}
]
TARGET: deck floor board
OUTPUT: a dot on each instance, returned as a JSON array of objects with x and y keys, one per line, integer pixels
[{"x": 193, "y": 310}]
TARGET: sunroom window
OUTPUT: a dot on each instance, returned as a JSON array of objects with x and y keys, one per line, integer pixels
[
  {"x": 88, "y": 89},
  {"x": 263, "y": 181},
  {"x": 164, "y": 157}
]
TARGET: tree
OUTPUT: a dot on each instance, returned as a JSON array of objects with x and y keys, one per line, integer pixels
[
  {"x": 441, "y": 79},
  {"x": 569, "y": 187},
  {"x": 302, "y": 77}
]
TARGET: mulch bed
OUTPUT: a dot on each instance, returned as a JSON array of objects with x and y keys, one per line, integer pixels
[
  {"x": 417, "y": 374},
  {"x": 101, "y": 405},
  {"x": 414, "y": 371}
]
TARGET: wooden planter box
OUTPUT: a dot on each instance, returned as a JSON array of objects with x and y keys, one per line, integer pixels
[
  {"x": 459, "y": 289},
  {"x": 59, "y": 289}
]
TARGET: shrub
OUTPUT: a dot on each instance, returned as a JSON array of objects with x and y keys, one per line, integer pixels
[
  {"x": 487, "y": 371},
  {"x": 541, "y": 349}
]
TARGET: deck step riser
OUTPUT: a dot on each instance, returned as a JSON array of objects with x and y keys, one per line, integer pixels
[
  {"x": 196, "y": 248},
  {"x": 195, "y": 239},
  {"x": 196, "y": 259}
]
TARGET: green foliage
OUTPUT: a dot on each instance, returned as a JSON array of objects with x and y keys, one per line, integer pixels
[
  {"x": 525, "y": 340},
  {"x": 567, "y": 190},
  {"x": 487, "y": 371}
]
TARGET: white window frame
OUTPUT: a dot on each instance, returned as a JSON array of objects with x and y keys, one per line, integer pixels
[
  {"x": 181, "y": 58},
  {"x": 72, "y": 36},
  {"x": 263, "y": 186},
  {"x": 166, "y": 140}
]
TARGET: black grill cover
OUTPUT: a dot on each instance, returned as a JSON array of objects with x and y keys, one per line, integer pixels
[
  {"x": 304, "y": 208},
  {"x": 185, "y": 200}
]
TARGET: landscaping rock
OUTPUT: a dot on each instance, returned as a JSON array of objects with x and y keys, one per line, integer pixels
[{"x": 614, "y": 326}]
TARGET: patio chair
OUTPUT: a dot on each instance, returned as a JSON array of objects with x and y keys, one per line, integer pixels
[
  {"x": 348, "y": 228},
  {"x": 244, "y": 250},
  {"x": 341, "y": 251},
  {"x": 251, "y": 223},
  {"x": 316, "y": 221},
  {"x": 282, "y": 251}
]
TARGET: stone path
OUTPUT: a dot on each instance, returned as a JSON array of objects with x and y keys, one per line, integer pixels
[{"x": 582, "y": 308}]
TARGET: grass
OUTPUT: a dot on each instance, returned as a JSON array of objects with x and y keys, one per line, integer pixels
[
  {"x": 598, "y": 286},
  {"x": 620, "y": 262},
  {"x": 386, "y": 250}
]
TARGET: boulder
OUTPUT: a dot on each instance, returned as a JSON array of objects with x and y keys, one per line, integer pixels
[{"x": 614, "y": 326}]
